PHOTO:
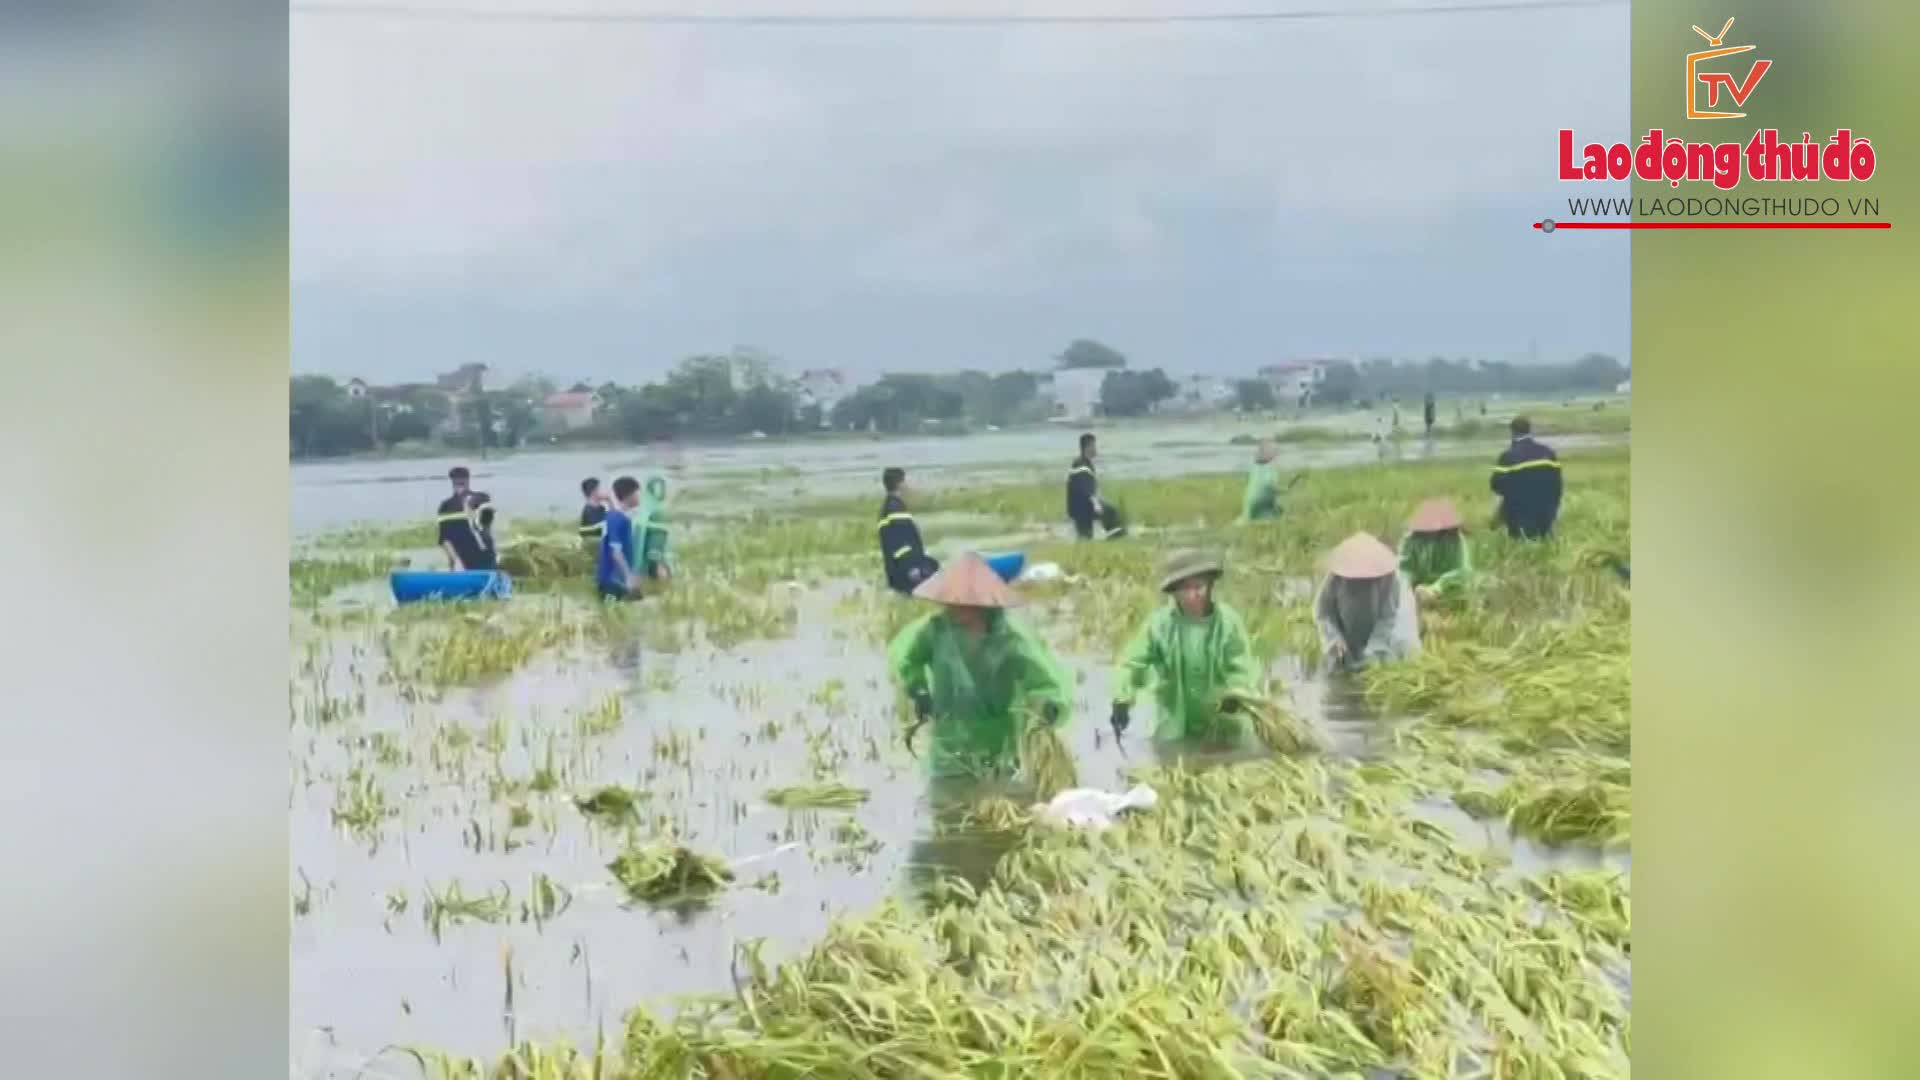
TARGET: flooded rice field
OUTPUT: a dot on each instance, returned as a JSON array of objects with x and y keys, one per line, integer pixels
[{"x": 1441, "y": 889}]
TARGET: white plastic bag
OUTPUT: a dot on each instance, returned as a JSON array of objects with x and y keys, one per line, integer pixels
[
  {"x": 1094, "y": 809},
  {"x": 1045, "y": 571}
]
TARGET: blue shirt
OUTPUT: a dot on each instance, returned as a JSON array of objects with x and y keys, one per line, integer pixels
[{"x": 619, "y": 533}]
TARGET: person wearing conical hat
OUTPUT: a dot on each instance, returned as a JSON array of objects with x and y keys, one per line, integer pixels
[
  {"x": 1195, "y": 652},
  {"x": 1434, "y": 555},
  {"x": 1262, "y": 500},
  {"x": 975, "y": 673},
  {"x": 1366, "y": 609}
]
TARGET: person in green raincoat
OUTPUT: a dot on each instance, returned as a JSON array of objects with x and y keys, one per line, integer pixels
[
  {"x": 650, "y": 524},
  {"x": 974, "y": 673},
  {"x": 1262, "y": 500},
  {"x": 1434, "y": 555},
  {"x": 1196, "y": 652}
]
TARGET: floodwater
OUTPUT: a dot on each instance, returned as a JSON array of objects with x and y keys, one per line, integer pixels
[
  {"x": 704, "y": 731},
  {"x": 334, "y": 495}
]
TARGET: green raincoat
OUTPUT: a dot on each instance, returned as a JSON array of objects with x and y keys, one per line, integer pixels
[
  {"x": 650, "y": 523},
  {"x": 1262, "y": 500},
  {"x": 1445, "y": 562},
  {"x": 981, "y": 688},
  {"x": 1192, "y": 662}
]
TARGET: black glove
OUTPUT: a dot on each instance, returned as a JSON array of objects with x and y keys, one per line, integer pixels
[
  {"x": 922, "y": 705},
  {"x": 1230, "y": 705},
  {"x": 1122, "y": 716},
  {"x": 1050, "y": 712}
]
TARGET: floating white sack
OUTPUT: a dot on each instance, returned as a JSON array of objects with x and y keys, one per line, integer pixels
[{"x": 1093, "y": 808}]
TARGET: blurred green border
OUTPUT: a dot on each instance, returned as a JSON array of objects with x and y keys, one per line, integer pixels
[{"x": 1775, "y": 564}]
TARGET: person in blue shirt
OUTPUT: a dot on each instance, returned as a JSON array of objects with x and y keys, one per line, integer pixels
[{"x": 616, "y": 575}]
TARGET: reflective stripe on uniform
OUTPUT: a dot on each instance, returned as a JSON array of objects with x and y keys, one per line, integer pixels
[
  {"x": 902, "y": 550},
  {"x": 593, "y": 530},
  {"x": 1537, "y": 463},
  {"x": 1088, "y": 469},
  {"x": 891, "y": 518},
  {"x": 458, "y": 515}
]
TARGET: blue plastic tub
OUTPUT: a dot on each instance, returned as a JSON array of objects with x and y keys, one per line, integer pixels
[
  {"x": 1007, "y": 564},
  {"x": 411, "y": 585}
]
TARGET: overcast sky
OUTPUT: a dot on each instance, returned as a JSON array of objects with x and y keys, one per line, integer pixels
[{"x": 601, "y": 200}]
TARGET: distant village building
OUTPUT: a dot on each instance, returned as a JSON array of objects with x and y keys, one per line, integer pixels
[
  {"x": 356, "y": 388},
  {"x": 569, "y": 411},
  {"x": 1294, "y": 382},
  {"x": 1201, "y": 393},
  {"x": 1624, "y": 388}
]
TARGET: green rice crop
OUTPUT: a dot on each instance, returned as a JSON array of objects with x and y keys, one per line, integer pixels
[
  {"x": 666, "y": 873},
  {"x": 830, "y": 795}
]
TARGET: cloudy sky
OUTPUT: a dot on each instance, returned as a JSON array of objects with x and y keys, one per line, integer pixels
[{"x": 600, "y": 200}]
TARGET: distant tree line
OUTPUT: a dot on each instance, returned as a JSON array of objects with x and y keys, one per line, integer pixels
[{"x": 727, "y": 395}]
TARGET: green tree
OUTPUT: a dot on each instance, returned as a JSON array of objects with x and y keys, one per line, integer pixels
[
  {"x": 1134, "y": 393},
  {"x": 1085, "y": 353},
  {"x": 1597, "y": 371},
  {"x": 1254, "y": 395},
  {"x": 1339, "y": 386}
]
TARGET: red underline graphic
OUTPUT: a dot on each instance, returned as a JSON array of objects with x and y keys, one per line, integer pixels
[{"x": 1558, "y": 225}]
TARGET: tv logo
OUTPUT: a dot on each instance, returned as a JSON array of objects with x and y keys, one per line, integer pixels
[{"x": 1716, "y": 81}]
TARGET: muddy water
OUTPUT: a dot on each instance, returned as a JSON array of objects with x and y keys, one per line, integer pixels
[
  {"x": 705, "y": 732},
  {"x": 333, "y": 495}
]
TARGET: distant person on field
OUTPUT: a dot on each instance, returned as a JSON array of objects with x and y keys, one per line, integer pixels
[
  {"x": 1366, "y": 610},
  {"x": 1434, "y": 554},
  {"x": 1084, "y": 507},
  {"x": 593, "y": 515},
  {"x": 1262, "y": 500},
  {"x": 1527, "y": 479},
  {"x": 903, "y": 558},
  {"x": 1426, "y": 413},
  {"x": 451, "y": 518},
  {"x": 615, "y": 573}
]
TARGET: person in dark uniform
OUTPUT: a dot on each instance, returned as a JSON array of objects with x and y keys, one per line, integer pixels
[
  {"x": 1426, "y": 411},
  {"x": 593, "y": 516},
  {"x": 476, "y": 548},
  {"x": 451, "y": 518},
  {"x": 1527, "y": 479},
  {"x": 902, "y": 556},
  {"x": 1083, "y": 496}
]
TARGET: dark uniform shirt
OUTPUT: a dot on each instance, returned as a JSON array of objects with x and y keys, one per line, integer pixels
[
  {"x": 1527, "y": 479},
  {"x": 1082, "y": 488},
  {"x": 593, "y": 522},
  {"x": 902, "y": 555}
]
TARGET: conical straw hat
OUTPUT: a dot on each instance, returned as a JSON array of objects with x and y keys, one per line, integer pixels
[
  {"x": 968, "y": 582},
  {"x": 1360, "y": 556},
  {"x": 1434, "y": 515}
]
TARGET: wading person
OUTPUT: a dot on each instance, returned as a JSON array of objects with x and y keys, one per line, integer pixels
[
  {"x": 975, "y": 674},
  {"x": 903, "y": 558},
  {"x": 451, "y": 518},
  {"x": 651, "y": 527},
  {"x": 1195, "y": 652},
  {"x": 471, "y": 538},
  {"x": 1434, "y": 555},
  {"x": 1262, "y": 500},
  {"x": 1084, "y": 507},
  {"x": 593, "y": 515},
  {"x": 1365, "y": 610},
  {"x": 615, "y": 573},
  {"x": 1527, "y": 479}
]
